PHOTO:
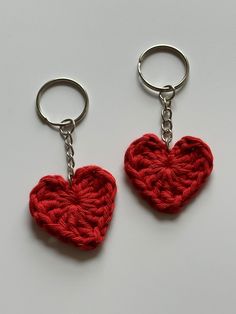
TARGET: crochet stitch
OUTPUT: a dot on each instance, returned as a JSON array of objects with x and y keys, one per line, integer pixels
[
  {"x": 78, "y": 214},
  {"x": 168, "y": 179}
]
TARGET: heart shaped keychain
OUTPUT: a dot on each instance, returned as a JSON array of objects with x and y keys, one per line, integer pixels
[
  {"x": 167, "y": 178},
  {"x": 77, "y": 210}
]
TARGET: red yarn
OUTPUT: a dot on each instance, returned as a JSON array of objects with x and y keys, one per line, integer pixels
[
  {"x": 168, "y": 179},
  {"x": 77, "y": 214}
]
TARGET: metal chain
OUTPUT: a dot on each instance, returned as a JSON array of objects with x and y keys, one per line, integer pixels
[
  {"x": 66, "y": 133},
  {"x": 167, "y": 126},
  {"x": 166, "y": 114}
]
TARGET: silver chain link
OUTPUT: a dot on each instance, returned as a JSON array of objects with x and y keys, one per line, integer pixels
[
  {"x": 166, "y": 114},
  {"x": 66, "y": 133},
  {"x": 167, "y": 126}
]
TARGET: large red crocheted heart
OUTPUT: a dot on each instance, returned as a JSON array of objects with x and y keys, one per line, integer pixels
[
  {"x": 168, "y": 179},
  {"x": 80, "y": 213}
]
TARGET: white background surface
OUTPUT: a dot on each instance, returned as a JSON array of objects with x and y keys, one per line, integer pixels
[{"x": 147, "y": 265}]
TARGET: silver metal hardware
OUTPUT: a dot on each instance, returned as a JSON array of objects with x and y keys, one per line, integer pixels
[
  {"x": 67, "y": 126},
  {"x": 167, "y": 92}
]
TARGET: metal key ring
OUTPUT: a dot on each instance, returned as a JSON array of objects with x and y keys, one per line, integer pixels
[
  {"x": 67, "y": 82},
  {"x": 163, "y": 48}
]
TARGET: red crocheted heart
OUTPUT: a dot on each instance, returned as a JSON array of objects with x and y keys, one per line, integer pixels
[
  {"x": 80, "y": 213},
  {"x": 168, "y": 179}
]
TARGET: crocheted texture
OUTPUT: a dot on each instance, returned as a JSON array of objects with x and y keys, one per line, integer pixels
[
  {"x": 77, "y": 214},
  {"x": 168, "y": 179}
]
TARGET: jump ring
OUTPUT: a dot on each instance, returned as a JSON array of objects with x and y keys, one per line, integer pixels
[
  {"x": 167, "y": 98},
  {"x": 68, "y": 126}
]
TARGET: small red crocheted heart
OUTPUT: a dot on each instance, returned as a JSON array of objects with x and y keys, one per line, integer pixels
[
  {"x": 168, "y": 179},
  {"x": 77, "y": 214}
]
